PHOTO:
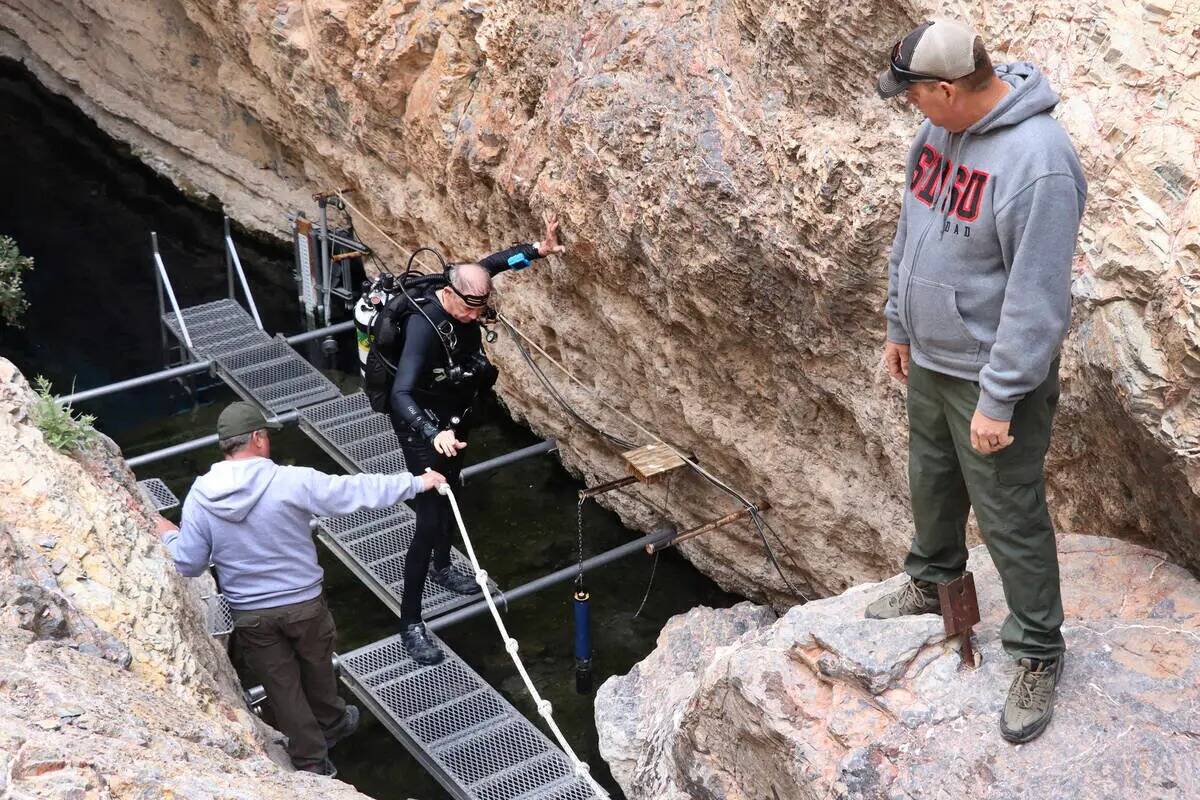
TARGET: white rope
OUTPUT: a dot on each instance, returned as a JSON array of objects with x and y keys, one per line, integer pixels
[{"x": 544, "y": 708}]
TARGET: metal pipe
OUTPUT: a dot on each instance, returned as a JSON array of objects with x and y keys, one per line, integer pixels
[
  {"x": 133, "y": 383},
  {"x": 560, "y": 576},
  {"x": 195, "y": 444},
  {"x": 547, "y": 446},
  {"x": 162, "y": 269},
  {"x": 592, "y": 491},
  {"x": 325, "y": 251},
  {"x": 328, "y": 330},
  {"x": 229, "y": 262},
  {"x": 231, "y": 253},
  {"x": 188, "y": 369},
  {"x": 162, "y": 310},
  {"x": 708, "y": 527}
]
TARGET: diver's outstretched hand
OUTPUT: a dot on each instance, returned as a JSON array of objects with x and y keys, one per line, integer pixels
[{"x": 549, "y": 245}]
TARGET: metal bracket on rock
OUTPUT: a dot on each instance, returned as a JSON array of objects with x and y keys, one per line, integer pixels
[{"x": 960, "y": 611}]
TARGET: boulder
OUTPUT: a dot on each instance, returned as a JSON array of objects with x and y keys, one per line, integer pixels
[
  {"x": 823, "y": 703},
  {"x": 110, "y": 685}
]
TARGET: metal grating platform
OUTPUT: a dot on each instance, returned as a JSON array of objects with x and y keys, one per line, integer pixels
[
  {"x": 217, "y": 615},
  {"x": 373, "y": 545},
  {"x": 274, "y": 376},
  {"x": 467, "y": 735},
  {"x": 217, "y": 328},
  {"x": 359, "y": 439},
  {"x": 157, "y": 494}
]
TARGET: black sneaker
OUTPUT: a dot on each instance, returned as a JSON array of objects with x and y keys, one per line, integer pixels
[
  {"x": 347, "y": 725},
  {"x": 450, "y": 578},
  {"x": 419, "y": 646},
  {"x": 324, "y": 768}
]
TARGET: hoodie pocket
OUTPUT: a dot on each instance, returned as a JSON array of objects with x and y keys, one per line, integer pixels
[{"x": 937, "y": 327}]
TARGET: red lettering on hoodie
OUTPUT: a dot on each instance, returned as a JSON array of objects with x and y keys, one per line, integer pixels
[{"x": 929, "y": 178}]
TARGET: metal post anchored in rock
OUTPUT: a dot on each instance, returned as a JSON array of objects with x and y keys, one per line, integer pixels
[{"x": 960, "y": 611}]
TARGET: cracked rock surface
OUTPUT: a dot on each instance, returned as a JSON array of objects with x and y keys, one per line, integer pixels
[
  {"x": 728, "y": 185},
  {"x": 822, "y": 703},
  {"x": 110, "y": 686}
]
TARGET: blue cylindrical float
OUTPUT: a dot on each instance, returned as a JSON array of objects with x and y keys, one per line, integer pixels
[{"x": 583, "y": 641}]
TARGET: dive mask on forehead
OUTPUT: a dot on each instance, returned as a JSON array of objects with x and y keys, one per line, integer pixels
[{"x": 472, "y": 300}]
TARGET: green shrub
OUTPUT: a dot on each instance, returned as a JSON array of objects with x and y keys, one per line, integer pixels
[
  {"x": 62, "y": 430},
  {"x": 12, "y": 294}
]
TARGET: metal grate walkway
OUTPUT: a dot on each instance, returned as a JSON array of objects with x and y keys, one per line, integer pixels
[
  {"x": 466, "y": 734},
  {"x": 358, "y": 438},
  {"x": 217, "y": 615},
  {"x": 216, "y": 328},
  {"x": 158, "y": 494},
  {"x": 274, "y": 376},
  {"x": 373, "y": 545},
  {"x": 462, "y": 730}
]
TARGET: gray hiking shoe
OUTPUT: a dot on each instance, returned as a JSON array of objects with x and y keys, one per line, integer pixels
[
  {"x": 347, "y": 725},
  {"x": 914, "y": 597},
  {"x": 324, "y": 768},
  {"x": 1030, "y": 701}
]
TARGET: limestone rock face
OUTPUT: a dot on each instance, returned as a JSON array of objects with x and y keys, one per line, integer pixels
[
  {"x": 728, "y": 185},
  {"x": 110, "y": 686},
  {"x": 823, "y": 703}
]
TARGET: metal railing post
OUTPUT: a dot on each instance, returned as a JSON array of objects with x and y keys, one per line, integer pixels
[
  {"x": 229, "y": 261},
  {"x": 162, "y": 309},
  {"x": 166, "y": 283},
  {"x": 231, "y": 256},
  {"x": 325, "y": 256}
]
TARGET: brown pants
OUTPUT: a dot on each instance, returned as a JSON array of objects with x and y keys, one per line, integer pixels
[{"x": 290, "y": 649}]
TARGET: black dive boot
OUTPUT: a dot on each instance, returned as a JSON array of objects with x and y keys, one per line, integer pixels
[
  {"x": 449, "y": 578},
  {"x": 419, "y": 646}
]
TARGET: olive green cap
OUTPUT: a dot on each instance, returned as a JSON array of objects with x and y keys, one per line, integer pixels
[{"x": 242, "y": 417}]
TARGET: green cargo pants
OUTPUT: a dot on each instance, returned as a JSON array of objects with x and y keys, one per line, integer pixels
[{"x": 947, "y": 477}]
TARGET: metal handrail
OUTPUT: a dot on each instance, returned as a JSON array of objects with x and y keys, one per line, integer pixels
[
  {"x": 166, "y": 284},
  {"x": 189, "y": 369},
  {"x": 237, "y": 263},
  {"x": 196, "y": 444}
]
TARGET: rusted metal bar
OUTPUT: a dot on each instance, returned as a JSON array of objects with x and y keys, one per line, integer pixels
[
  {"x": 960, "y": 612},
  {"x": 707, "y": 527},
  {"x": 592, "y": 491}
]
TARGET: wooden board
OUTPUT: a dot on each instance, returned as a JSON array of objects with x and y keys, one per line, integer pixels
[{"x": 647, "y": 463}]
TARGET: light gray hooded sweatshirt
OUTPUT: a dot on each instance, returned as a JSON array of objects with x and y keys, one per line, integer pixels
[
  {"x": 979, "y": 278},
  {"x": 249, "y": 517}
]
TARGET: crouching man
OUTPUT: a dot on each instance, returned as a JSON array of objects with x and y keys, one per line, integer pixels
[{"x": 249, "y": 517}]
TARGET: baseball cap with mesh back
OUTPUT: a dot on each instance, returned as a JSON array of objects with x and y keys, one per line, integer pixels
[{"x": 937, "y": 50}]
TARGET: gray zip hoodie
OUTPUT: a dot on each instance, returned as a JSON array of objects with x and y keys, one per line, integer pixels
[
  {"x": 979, "y": 277},
  {"x": 249, "y": 517}
]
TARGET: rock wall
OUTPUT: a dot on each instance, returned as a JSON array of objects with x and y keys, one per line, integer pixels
[
  {"x": 728, "y": 185},
  {"x": 822, "y": 703},
  {"x": 110, "y": 686}
]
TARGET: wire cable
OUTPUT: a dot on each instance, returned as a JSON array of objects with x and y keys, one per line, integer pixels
[{"x": 708, "y": 476}]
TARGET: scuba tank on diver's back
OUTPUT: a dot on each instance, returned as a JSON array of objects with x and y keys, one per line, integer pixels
[{"x": 374, "y": 297}]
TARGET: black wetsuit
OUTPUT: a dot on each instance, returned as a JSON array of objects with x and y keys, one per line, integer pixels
[{"x": 424, "y": 403}]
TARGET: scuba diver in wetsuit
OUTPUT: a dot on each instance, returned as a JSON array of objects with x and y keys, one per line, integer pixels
[{"x": 440, "y": 372}]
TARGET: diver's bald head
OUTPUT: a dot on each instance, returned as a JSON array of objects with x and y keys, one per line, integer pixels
[{"x": 471, "y": 279}]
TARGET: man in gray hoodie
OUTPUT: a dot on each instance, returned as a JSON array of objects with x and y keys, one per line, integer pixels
[
  {"x": 249, "y": 518},
  {"x": 978, "y": 305}
]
